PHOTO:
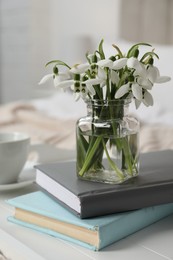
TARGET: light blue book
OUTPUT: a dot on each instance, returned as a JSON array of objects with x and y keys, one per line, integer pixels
[{"x": 40, "y": 212}]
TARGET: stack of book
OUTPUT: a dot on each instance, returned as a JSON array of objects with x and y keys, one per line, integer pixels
[{"x": 95, "y": 215}]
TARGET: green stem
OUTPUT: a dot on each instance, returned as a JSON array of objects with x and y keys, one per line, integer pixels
[
  {"x": 128, "y": 155},
  {"x": 90, "y": 155},
  {"x": 112, "y": 164}
]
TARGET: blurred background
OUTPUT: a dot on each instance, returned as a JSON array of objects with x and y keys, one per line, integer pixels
[{"x": 33, "y": 32}]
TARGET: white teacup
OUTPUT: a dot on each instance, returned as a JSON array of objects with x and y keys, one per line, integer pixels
[{"x": 14, "y": 148}]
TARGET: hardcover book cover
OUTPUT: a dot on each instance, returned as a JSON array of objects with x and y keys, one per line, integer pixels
[
  {"x": 39, "y": 212},
  {"x": 153, "y": 186}
]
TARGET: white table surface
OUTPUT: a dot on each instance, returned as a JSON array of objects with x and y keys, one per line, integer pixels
[{"x": 16, "y": 242}]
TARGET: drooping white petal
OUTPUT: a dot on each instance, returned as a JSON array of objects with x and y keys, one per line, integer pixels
[
  {"x": 61, "y": 77},
  {"x": 148, "y": 99},
  {"x": 91, "y": 89},
  {"x": 81, "y": 68},
  {"x": 119, "y": 64},
  {"x": 101, "y": 74},
  {"x": 56, "y": 81},
  {"x": 140, "y": 71},
  {"x": 65, "y": 84},
  {"x": 137, "y": 91},
  {"x": 162, "y": 79},
  {"x": 93, "y": 81},
  {"x": 137, "y": 103},
  {"x": 134, "y": 63},
  {"x": 122, "y": 91},
  {"x": 114, "y": 77},
  {"x": 46, "y": 78},
  {"x": 64, "y": 75},
  {"x": 105, "y": 63},
  {"x": 144, "y": 82},
  {"x": 76, "y": 96},
  {"x": 152, "y": 73}
]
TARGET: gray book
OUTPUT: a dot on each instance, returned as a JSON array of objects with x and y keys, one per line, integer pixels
[{"x": 153, "y": 186}]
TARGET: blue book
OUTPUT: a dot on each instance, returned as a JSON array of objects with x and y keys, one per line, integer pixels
[{"x": 40, "y": 212}]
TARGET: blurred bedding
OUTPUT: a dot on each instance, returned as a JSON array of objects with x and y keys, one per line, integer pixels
[
  {"x": 43, "y": 128},
  {"x": 52, "y": 120}
]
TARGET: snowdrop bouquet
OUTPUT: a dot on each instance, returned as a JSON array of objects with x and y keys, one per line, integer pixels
[
  {"x": 116, "y": 77},
  {"x": 107, "y": 84}
]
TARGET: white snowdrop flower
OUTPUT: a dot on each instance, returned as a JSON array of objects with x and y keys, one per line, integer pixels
[
  {"x": 144, "y": 82},
  {"x": 162, "y": 79},
  {"x": 124, "y": 89},
  {"x": 81, "y": 90},
  {"x": 137, "y": 91},
  {"x": 134, "y": 87},
  {"x": 57, "y": 78},
  {"x": 140, "y": 70},
  {"x": 147, "y": 99},
  {"x": 134, "y": 63},
  {"x": 114, "y": 77},
  {"x": 137, "y": 103},
  {"x": 101, "y": 74},
  {"x": 95, "y": 81},
  {"x": 65, "y": 84},
  {"x": 46, "y": 78},
  {"x": 62, "y": 76},
  {"x": 91, "y": 89},
  {"x": 152, "y": 73},
  {"x": 106, "y": 63},
  {"x": 81, "y": 68},
  {"x": 119, "y": 64}
]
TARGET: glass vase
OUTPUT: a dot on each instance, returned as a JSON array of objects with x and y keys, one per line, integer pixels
[{"x": 107, "y": 141}]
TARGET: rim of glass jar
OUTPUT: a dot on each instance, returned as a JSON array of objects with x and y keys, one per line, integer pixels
[{"x": 106, "y": 102}]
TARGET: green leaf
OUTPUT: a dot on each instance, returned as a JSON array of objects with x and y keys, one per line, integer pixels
[
  {"x": 149, "y": 54},
  {"x": 86, "y": 55},
  {"x": 101, "y": 52},
  {"x": 135, "y": 47},
  {"x": 90, "y": 155},
  {"x": 118, "y": 49},
  {"x": 58, "y": 62}
]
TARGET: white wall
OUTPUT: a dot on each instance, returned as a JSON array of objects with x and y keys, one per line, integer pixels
[
  {"x": 24, "y": 46},
  {"x": 77, "y": 26},
  {"x": 34, "y": 32}
]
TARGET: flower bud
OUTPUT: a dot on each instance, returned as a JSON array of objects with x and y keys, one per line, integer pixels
[
  {"x": 136, "y": 53},
  {"x": 84, "y": 78},
  {"x": 112, "y": 58},
  {"x": 131, "y": 78},
  {"x": 76, "y": 76},
  {"x": 55, "y": 70},
  {"x": 94, "y": 58},
  {"x": 151, "y": 61}
]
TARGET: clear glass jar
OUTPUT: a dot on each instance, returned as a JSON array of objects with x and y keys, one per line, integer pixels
[{"x": 107, "y": 141}]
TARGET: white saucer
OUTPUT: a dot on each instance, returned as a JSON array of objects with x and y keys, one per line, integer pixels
[
  {"x": 15, "y": 185},
  {"x": 27, "y": 177}
]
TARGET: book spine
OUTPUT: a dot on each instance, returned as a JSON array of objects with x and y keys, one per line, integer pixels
[
  {"x": 51, "y": 233},
  {"x": 95, "y": 205},
  {"x": 132, "y": 222}
]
